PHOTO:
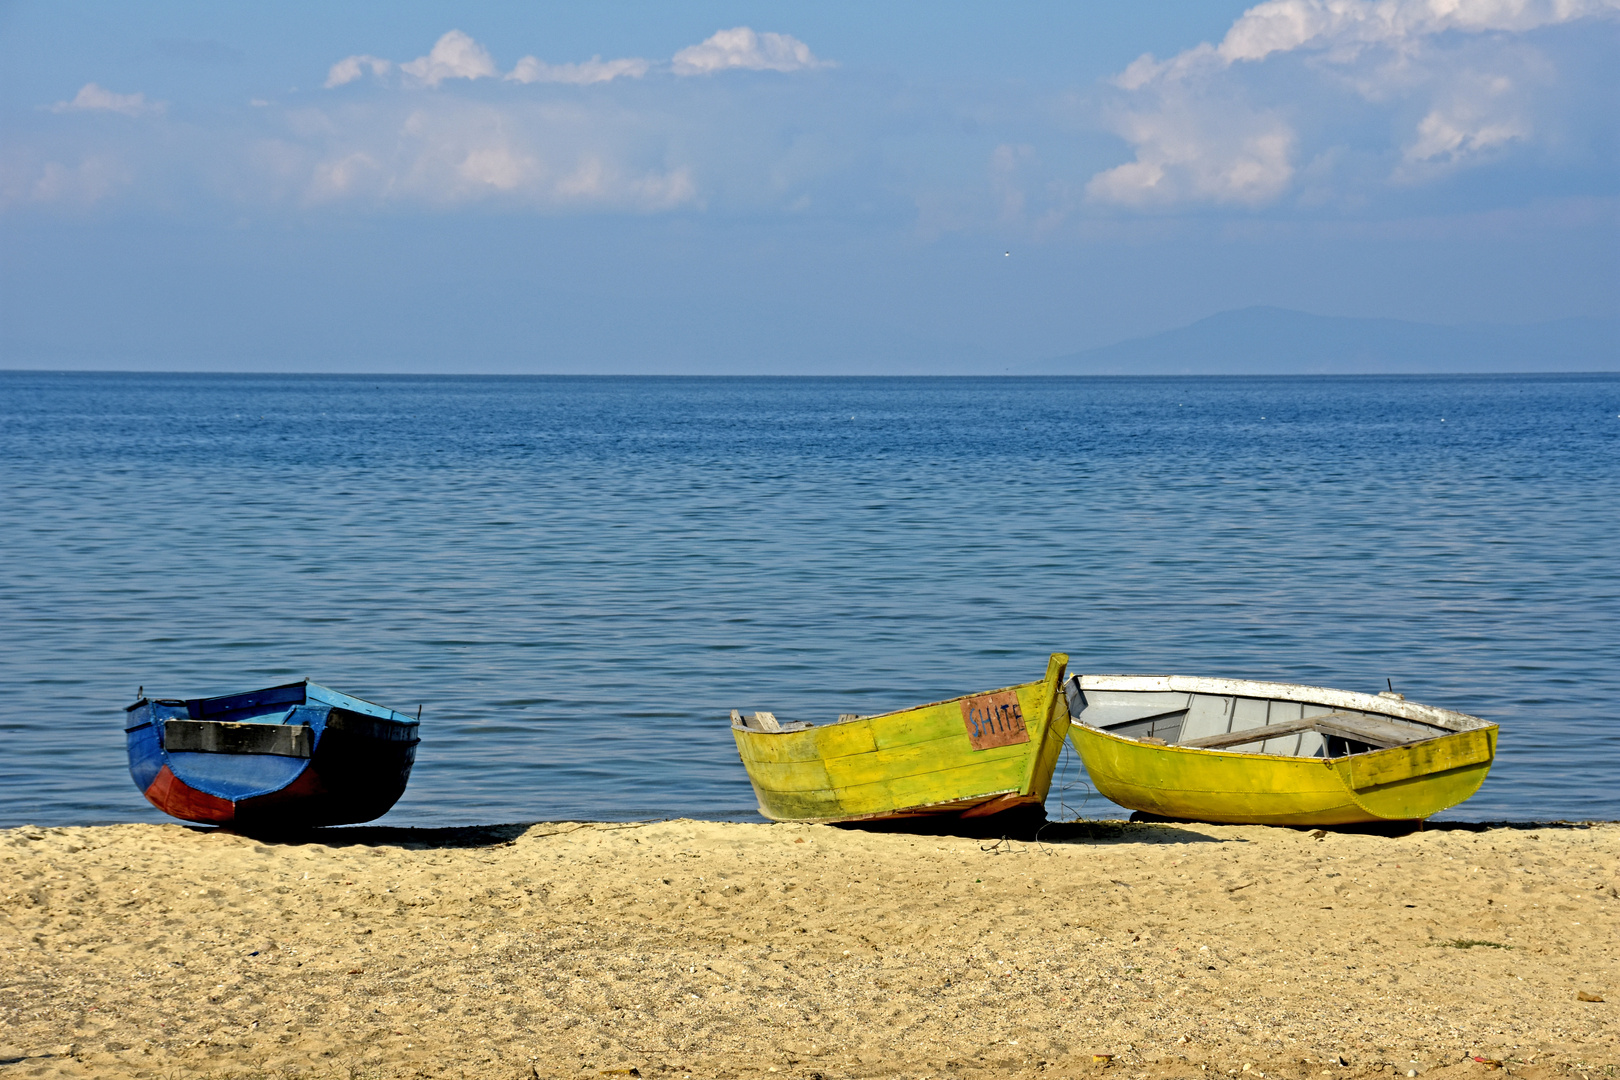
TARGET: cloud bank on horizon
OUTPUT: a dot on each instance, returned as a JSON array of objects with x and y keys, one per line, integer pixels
[
  {"x": 1458, "y": 78},
  {"x": 789, "y": 189},
  {"x": 582, "y": 155},
  {"x": 458, "y": 56},
  {"x": 1329, "y": 105},
  {"x": 444, "y": 150}
]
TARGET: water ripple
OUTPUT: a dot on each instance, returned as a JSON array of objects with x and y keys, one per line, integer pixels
[{"x": 578, "y": 578}]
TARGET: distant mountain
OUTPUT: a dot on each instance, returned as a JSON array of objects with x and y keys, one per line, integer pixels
[{"x": 1276, "y": 341}]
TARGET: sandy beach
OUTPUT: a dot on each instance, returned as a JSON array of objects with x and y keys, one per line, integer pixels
[{"x": 686, "y": 948}]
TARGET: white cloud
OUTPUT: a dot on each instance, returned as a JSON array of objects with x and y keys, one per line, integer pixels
[
  {"x": 593, "y": 180},
  {"x": 1449, "y": 137},
  {"x": 350, "y": 68},
  {"x": 1479, "y": 118},
  {"x": 742, "y": 48},
  {"x": 499, "y": 168},
  {"x": 1285, "y": 25},
  {"x": 447, "y": 151},
  {"x": 1221, "y": 123},
  {"x": 454, "y": 56},
  {"x": 594, "y": 70},
  {"x": 458, "y": 56},
  {"x": 579, "y": 152},
  {"x": 345, "y": 175},
  {"x": 94, "y": 98},
  {"x": 90, "y": 181},
  {"x": 1195, "y": 151}
]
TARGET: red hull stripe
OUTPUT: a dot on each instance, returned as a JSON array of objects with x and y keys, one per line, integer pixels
[{"x": 176, "y": 798}]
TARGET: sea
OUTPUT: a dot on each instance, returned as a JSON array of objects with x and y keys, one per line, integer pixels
[{"x": 576, "y": 579}]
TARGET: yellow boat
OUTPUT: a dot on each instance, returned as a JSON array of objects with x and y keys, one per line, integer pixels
[
  {"x": 1241, "y": 752},
  {"x": 967, "y": 757}
]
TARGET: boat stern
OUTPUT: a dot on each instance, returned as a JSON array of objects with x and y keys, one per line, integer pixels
[{"x": 1409, "y": 783}]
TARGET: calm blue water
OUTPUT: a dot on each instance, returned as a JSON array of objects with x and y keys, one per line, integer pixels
[{"x": 578, "y": 578}]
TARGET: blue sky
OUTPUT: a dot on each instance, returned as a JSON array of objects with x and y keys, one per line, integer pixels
[{"x": 785, "y": 188}]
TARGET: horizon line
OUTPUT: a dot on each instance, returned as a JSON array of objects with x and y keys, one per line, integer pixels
[{"x": 914, "y": 375}]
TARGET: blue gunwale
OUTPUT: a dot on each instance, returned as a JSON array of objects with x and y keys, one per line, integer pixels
[{"x": 273, "y": 700}]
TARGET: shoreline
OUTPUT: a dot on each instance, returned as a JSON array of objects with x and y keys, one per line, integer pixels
[{"x": 693, "y": 948}]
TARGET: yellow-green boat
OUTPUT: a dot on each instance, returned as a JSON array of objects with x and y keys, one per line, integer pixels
[
  {"x": 1241, "y": 752},
  {"x": 968, "y": 757}
]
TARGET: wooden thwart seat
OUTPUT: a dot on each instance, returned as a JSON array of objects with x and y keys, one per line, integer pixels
[
  {"x": 1353, "y": 726},
  {"x": 760, "y": 721},
  {"x": 767, "y": 722},
  {"x": 1373, "y": 731},
  {"x": 223, "y": 737}
]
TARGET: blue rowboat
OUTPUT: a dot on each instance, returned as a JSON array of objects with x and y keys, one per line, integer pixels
[{"x": 294, "y": 756}]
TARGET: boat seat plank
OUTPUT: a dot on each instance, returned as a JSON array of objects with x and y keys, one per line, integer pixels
[
  {"x": 1346, "y": 725},
  {"x": 1371, "y": 730},
  {"x": 1253, "y": 734},
  {"x": 220, "y": 737},
  {"x": 760, "y": 721}
]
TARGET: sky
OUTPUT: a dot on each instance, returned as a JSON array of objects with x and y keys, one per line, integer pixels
[{"x": 785, "y": 188}]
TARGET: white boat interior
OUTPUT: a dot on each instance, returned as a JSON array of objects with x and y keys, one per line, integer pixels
[{"x": 1254, "y": 717}]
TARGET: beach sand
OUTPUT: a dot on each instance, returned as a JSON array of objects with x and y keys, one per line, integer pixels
[{"x": 686, "y": 948}]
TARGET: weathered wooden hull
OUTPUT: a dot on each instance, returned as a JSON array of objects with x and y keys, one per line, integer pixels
[
  {"x": 295, "y": 756},
  {"x": 915, "y": 762},
  {"x": 1398, "y": 783}
]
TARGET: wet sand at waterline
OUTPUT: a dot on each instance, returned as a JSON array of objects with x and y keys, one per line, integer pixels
[{"x": 703, "y": 949}]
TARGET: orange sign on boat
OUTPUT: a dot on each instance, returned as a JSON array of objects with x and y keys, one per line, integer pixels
[{"x": 994, "y": 720}]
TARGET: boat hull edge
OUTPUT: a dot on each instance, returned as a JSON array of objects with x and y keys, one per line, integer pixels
[
  {"x": 914, "y": 763},
  {"x": 1403, "y": 783},
  {"x": 348, "y": 768}
]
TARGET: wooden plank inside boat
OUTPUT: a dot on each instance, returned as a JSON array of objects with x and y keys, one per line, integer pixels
[
  {"x": 1249, "y": 735},
  {"x": 1388, "y": 759},
  {"x": 1371, "y": 730},
  {"x": 219, "y": 737},
  {"x": 1354, "y": 726}
]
